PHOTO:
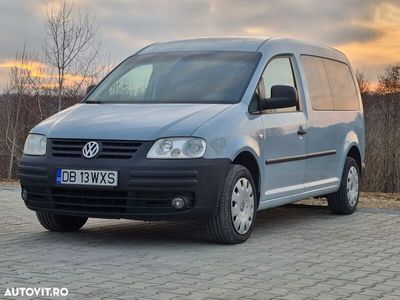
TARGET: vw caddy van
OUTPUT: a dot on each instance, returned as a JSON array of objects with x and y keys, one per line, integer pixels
[{"x": 211, "y": 128}]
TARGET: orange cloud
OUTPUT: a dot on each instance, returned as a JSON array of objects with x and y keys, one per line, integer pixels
[
  {"x": 384, "y": 50},
  {"x": 38, "y": 70},
  {"x": 35, "y": 68}
]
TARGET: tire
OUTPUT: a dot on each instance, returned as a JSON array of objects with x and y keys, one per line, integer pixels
[
  {"x": 345, "y": 200},
  {"x": 238, "y": 198},
  {"x": 60, "y": 223}
]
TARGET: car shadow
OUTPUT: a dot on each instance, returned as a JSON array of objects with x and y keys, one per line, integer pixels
[{"x": 119, "y": 233}]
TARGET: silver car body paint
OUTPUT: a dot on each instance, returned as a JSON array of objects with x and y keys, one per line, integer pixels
[{"x": 230, "y": 129}]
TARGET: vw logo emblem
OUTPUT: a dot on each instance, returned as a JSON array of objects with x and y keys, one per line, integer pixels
[{"x": 91, "y": 149}]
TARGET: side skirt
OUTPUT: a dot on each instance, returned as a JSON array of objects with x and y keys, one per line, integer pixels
[{"x": 296, "y": 197}]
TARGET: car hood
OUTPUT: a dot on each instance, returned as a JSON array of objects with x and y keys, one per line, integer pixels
[{"x": 128, "y": 121}]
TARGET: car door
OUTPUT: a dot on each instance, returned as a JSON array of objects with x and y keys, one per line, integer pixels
[
  {"x": 284, "y": 138},
  {"x": 325, "y": 133}
]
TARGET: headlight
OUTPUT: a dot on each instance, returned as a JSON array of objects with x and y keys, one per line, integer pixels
[
  {"x": 178, "y": 148},
  {"x": 35, "y": 144}
]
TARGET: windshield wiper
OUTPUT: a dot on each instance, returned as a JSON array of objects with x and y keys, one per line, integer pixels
[{"x": 94, "y": 101}]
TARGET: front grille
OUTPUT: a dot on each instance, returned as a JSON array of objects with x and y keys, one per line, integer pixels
[
  {"x": 108, "y": 149},
  {"x": 104, "y": 201}
]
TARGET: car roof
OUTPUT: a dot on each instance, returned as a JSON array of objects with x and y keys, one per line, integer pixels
[
  {"x": 251, "y": 44},
  {"x": 247, "y": 44}
]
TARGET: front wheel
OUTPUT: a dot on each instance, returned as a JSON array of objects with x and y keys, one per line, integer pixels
[
  {"x": 345, "y": 200},
  {"x": 60, "y": 222},
  {"x": 233, "y": 220}
]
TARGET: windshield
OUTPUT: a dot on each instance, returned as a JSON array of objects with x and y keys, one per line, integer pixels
[{"x": 179, "y": 77}]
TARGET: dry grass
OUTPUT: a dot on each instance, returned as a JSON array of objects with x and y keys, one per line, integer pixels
[
  {"x": 8, "y": 182},
  {"x": 367, "y": 200}
]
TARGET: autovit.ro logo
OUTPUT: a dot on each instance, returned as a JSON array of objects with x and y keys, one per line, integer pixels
[{"x": 36, "y": 292}]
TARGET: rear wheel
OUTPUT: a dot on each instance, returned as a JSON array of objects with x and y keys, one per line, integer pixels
[
  {"x": 345, "y": 200},
  {"x": 234, "y": 218},
  {"x": 60, "y": 222}
]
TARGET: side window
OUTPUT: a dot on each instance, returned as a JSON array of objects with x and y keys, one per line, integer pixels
[
  {"x": 278, "y": 72},
  {"x": 342, "y": 85},
  {"x": 317, "y": 82},
  {"x": 133, "y": 84}
]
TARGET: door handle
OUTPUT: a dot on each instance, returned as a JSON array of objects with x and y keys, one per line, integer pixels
[{"x": 301, "y": 131}]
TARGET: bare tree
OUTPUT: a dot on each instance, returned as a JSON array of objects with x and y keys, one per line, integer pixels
[
  {"x": 363, "y": 83},
  {"x": 101, "y": 69},
  {"x": 19, "y": 86},
  {"x": 70, "y": 46},
  {"x": 38, "y": 81},
  {"x": 6, "y": 128},
  {"x": 389, "y": 81},
  {"x": 389, "y": 85}
]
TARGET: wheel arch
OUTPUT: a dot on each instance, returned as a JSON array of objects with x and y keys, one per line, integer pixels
[
  {"x": 248, "y": 160},
  {"x": 352, "y": 148},
  {"x": 355, "y": 153}
]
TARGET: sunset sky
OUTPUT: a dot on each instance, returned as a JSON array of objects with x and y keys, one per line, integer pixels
[{"x": 367, "y": 31}]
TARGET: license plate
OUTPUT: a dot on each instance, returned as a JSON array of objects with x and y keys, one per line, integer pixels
[{"x": 87, "y": 177}]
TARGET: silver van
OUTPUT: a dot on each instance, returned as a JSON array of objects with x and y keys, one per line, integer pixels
[{"x": 212, "y": 129}]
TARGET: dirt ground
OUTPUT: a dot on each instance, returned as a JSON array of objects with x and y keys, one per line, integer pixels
[{"x": 367, "y": 200}]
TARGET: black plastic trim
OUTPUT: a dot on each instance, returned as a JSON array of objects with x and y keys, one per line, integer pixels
[
  {"x": 299, "y": 157},
  {"x": 145, "y": 186}
]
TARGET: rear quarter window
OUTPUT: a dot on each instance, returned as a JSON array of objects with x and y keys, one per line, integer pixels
[
  {"x": 330, "y": 84},
  {"x": 342, "y": 85}
]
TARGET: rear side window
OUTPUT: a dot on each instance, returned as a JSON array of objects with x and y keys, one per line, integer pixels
[
  {"x": 317, "y": 82},
  {"x": 330, "y": 84},
  {"x": 342, "y": 85}
]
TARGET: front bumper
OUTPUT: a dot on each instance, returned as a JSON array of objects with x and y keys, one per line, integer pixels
[{"x": 145, "y": 186}]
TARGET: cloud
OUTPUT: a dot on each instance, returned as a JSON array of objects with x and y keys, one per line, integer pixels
[
  {"x": 35, "y": 69},
  {"x": 356, "y": 33},
  {"x": 127, "y": 25},
  {"x": 39, "y": 70},
  {"x": 136, "y": 23},
  {"x": 374, "y": 55}
]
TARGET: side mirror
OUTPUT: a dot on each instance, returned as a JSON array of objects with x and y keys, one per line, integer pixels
[
  {"x": 282, "y": 96},
  {"x": 90, "y": 88}
]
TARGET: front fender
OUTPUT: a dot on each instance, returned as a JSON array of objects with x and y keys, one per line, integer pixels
[
  {"x": 231, "y": 147},
  {"x": 232, "y": 132}
]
